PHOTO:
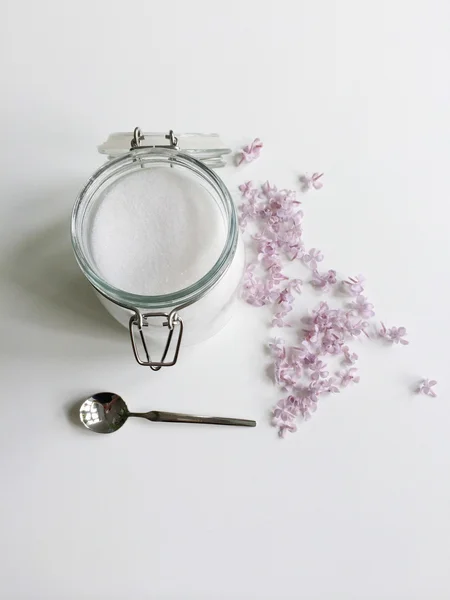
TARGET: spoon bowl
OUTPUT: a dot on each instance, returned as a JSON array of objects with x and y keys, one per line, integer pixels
[{"x": 104, "y": 412}]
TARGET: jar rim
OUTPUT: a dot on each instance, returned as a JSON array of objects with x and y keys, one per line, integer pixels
[{"x": 179, "y": 298}]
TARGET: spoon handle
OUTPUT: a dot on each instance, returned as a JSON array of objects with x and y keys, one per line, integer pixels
[{"x": 170, "y": 417}]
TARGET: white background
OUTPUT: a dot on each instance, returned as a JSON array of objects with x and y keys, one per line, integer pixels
[{"x": 356, "y": 505}]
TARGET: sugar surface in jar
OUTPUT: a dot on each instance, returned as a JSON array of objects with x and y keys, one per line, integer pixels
[{"x": 156, "y": 231}]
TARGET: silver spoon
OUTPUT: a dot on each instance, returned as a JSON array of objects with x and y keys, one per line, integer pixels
[{"x": 106, "y": 413}]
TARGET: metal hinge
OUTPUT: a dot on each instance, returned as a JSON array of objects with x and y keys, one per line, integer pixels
[{"x": 139, "y": 137}]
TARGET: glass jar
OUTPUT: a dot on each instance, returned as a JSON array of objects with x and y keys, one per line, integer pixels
[{"x": 183, "y": 316}]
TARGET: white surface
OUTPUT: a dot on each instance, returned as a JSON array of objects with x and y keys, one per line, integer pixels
[{"x": 355, "y": 505}]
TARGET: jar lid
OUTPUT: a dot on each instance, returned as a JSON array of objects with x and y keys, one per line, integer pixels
[{"x": 208, "y": 147}]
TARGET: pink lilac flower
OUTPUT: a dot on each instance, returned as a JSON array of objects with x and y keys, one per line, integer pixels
[
  {"x": 284, "y": 415},
  {"x": 298, "y": 353},
  {"x": 277, "y": 348},
  {"x": 323, "y": 281},
  {"x": 275, "y": 274},
  {"x": 256, "y": 291},
  {"x": 251, "y": 152},
  {"x": 349, "y": 376},
  {"x": 294, "y": 251},
  {"x": 284, "y": 375},
  {"x": 313, "y": 257},
  {"x": 254, "y": 295},
  {"x": 426, "y": 387},
  {"x": 248, "y": 212},
  {"x": 332, "y": 344},
  {"x": 310, "y": 360},
  {"x": 272, "y": 289},
  {"x": 268, "y": 189},
  {"x": 278, "y": 319},
  {"x": 328, "y": 320},
  {"x": 349, "y": 356},
  {"x": 312, "y": 335},
  {"x": 354, "y": 285},
  {"x": 394, "y": 334},
  {"x": 362, "y": 307},
  {"x": 296, "y": 362},
  {"x": 355, "y": 329},
  {"x": 326, "y": 386},
  {"x": 311, "y": 182},
  {"x": 285, "y": 301},
  {"x": 308, "y": 405},
  {"x": 297, "y": 369},
  {"x": 319, "y": 371},
  {"x": 286, "y": 297},
  {"x": 268, "y": 251},
  {"x": 320, "y": 315},
  {"x": 295, "y": 285},
  {"x": 330, "y": 386},
  {"x": 290, "y": 240},
  {"x": 291, "y": 426},
  {"x": 247, "y": 189}
]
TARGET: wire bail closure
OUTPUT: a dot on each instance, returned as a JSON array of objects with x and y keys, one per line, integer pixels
[{"x": 173, "y": 321}]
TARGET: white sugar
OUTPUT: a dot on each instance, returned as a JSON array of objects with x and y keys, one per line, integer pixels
[{"x": 155, "y": 231}]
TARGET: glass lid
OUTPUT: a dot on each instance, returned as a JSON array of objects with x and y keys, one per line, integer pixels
[{"x": 208, "y": 147}]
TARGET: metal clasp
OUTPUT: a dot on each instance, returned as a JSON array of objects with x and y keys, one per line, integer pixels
[
  {"x": 172, "y": 321},
  {"x": 139, "y": 137}
]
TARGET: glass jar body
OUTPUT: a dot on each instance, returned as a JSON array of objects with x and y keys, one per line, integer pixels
[{"x": 204, "y": 307}]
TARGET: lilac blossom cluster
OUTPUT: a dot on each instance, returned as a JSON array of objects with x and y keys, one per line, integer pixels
[{"x": 303, "y": 370}]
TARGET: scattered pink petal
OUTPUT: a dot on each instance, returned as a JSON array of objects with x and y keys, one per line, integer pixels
[
  {"x": 349, "y": 356},
  {"x": 275, "y": 275},
  {"x": 354, "y": 285},
  {"x": 284, "y": 415},
  {"x": 349, "y": 376},
  {"x": 248, "y": 212},
  {"x": 255, "y": 290},
  {"x": 277, "y": 348},
  {"x": 284, "y": 427},
  {"x": 319, "y": 371},
  {"x": 278, "y": 320},
  {"x": 268, "y": 189},
  {"x": 268, "y": 252},
  {"x": 362, "y": 307},
  {"x": 426, "y": 387},
  {"x": 308, "y": 405},
  {"x": 326, "y": 386},
  {"x": 284, "y": 375},
  {"x": 312, "y": 181},
  {"x": 356, "y": 328},
  {"x": 250, "y": 153},
  {"x": 313, "y": 257},
  {"x": 394, "y": 335},
  {"x": 295, "y": 285},
  {"x": 286, "y": 297},
  {"x": 247, "y": 189},
  {"x": 323, "y": 281}
]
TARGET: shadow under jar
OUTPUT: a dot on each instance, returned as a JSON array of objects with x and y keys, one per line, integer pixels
[{"x": 155, "y": 232}]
